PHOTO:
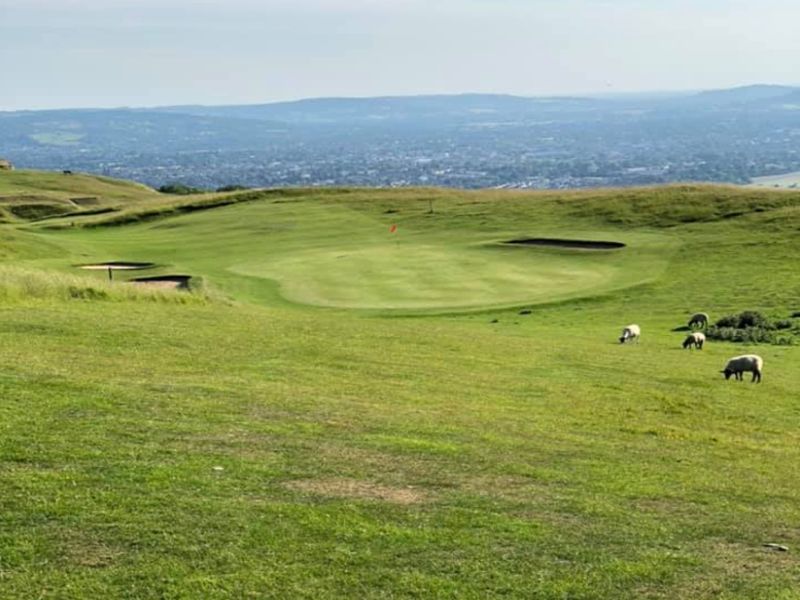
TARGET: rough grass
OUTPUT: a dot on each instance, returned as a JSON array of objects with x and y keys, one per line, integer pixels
[
  {"x": 271, "y": 448},
  {"x": 23, "y": 181},
  {"x": 19, "y": 285}
]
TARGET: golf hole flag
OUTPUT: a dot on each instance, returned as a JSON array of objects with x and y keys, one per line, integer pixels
[{"x": 393, "y": 228}]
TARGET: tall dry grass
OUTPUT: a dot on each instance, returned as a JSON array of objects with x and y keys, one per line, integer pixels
[{"x": 20, "y": 284}]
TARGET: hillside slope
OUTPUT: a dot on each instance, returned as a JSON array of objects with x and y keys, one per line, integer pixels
[{"x": 290, "y": 435}]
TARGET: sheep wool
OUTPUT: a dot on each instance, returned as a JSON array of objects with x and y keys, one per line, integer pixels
[
  {"x": 631, "y": 332},
  {"x": 747, "y": 363},
  {"x": 695, "y": 339},
  {"x": 699, "y": 319}
]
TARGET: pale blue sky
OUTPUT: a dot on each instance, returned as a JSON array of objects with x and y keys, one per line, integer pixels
[{"x": 67, "y": 53}]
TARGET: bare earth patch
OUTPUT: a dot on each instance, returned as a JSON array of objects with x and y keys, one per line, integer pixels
[
  {"x": 360, "y": 490},
  {"x": 726, "y": 563},
  {"x": 86, "y": 551}
]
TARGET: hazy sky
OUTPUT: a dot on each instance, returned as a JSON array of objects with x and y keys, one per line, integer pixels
[{"x": 66, "y": 53}]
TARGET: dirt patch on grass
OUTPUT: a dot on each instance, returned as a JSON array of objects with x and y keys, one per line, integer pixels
[
  {"x": 171, "y": 282},
  {"x": 84, "y": 550},
  {"x": 728, "y": 566},
  {"x": 565, "y": 243},
  {"x": 358, "y": 490}
]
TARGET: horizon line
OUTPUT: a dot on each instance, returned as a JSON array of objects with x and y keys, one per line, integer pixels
[{"x": 596, "y": 95}]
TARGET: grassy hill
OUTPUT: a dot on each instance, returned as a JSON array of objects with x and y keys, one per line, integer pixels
[
  {"x": 35, "y": 195},
  {"x": 347, "y": 411}
]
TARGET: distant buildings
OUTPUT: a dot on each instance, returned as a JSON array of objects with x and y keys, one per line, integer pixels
[{"x": 5, "y": 165}]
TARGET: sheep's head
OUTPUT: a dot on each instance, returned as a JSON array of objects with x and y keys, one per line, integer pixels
[
  {"x": 727, "y": 373},
  {"x": 622, "y": 339},
  {"x": 687, "y": 342}
]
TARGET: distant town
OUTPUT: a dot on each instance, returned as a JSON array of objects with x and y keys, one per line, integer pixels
[{"x": 468, "y": 141}]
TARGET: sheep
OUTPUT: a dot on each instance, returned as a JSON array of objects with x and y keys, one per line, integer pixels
[
  {"x": 739, "y": 364},
  {"x": 631, "y": 332},
  {"x": 695, "y": 339},
  {"x": 699, "y": 319}
]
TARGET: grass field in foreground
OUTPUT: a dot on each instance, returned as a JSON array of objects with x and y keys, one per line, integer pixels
[{"x": 265, "y": 446}]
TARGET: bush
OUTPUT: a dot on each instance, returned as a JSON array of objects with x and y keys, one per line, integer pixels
[
  {"x": 232, "y": 188},
  {"x": 730, "y": 321},
  {"x": 179, "y": 189},
  {"x": 753, "y": 327},
  {"x": 748, "y": 318},
  {"x": 749, "y": 335}
]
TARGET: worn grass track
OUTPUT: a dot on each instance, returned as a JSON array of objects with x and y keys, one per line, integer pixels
[{"x": 306, "y": 442}]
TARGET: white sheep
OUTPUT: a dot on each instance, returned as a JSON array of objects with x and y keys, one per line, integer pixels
[
  {"x": 747, "y": 362},
  {"x": 631, "y": 332},
  {"x": 699, "y": 319},
  {"x": 695, "y": 339}
]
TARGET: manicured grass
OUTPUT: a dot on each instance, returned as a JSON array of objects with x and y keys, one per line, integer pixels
[
  {"x": 301, "y": 440},
  {"x": 325, "y": 254}
]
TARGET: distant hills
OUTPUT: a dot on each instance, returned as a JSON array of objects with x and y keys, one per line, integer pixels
[
  {"x": 751, "y": 95},
  {"x": 407, "y": 108},
  {"x": 467, "y": 140},
  {"x": 475, "y": 106}
]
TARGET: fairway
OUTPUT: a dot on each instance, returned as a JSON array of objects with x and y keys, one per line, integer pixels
[
  {"x": 345, "y": 256},
  {"x": 339, "y": 410}
]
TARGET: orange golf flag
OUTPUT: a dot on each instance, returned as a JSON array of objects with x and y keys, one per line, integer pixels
[{"x": 393, "y": 228}]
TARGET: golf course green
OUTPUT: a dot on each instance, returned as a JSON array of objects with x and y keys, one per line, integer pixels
[{"x": 373, "y": 394}]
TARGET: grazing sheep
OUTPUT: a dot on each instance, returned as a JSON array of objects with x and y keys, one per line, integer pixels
[
  {"x": 699, "y": 319},
  {"x": 631, "y": 332},
  {"x": 747, "y": 362},
  {"x": 695, "y": 339}
]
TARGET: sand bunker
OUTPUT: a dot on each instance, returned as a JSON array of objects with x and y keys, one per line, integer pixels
[
  {"x": 562, "y": 243},
  {"x": 117, "y": 266},
  {"x": 171, "y": 282}
]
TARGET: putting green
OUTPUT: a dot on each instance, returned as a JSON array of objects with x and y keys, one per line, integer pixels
[
  {"x": 424, "y": 276},
  {"x": 339, "y": 255}
]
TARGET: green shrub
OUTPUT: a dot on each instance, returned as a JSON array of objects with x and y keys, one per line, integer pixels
[
  {"x": 179, "y": 189},
  {"x": 752, "y": 327},
  {"x": 748, "y": 318}
]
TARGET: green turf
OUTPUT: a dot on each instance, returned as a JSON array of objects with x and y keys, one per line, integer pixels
[
  {"x": 343, "y": 255},
  {"x": 290, "y": 436}
]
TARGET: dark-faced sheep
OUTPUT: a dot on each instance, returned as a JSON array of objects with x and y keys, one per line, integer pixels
[
  {"x": 699, "y": 320},
  {"x": 631, "y": 332},
  {"x": 751, "y": 363},
  {"x": 695, "y": 339}
]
